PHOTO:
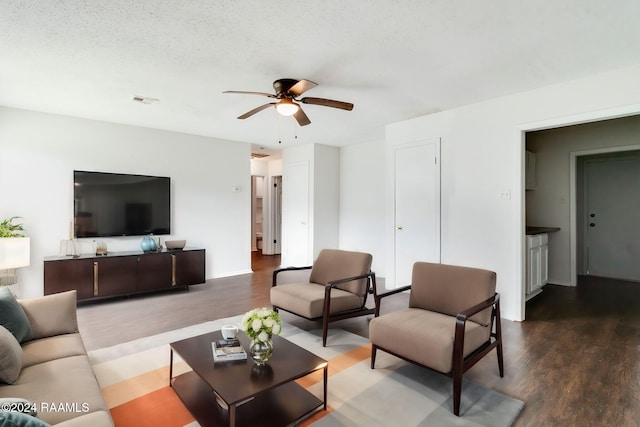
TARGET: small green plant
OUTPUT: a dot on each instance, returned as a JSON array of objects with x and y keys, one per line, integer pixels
[{"x": 9, "y": 229}]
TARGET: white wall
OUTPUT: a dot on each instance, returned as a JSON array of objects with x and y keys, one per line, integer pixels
[
  {"x": 322, "y": 205},
  {"x": 326, "y": 197},
  {"x": 362, "y": 201},
  {"x": 482, "y": 156},
  {"x": 549, "y": 203},
  {"x": 38, "y": 153}
]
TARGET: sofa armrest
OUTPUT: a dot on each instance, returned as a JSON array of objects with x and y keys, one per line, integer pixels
[{"x": 51, "y": 315}]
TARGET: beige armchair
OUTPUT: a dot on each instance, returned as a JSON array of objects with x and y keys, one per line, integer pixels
[
  {"x": 453, "y": 320},
  {"x": 336, "y": 289}
]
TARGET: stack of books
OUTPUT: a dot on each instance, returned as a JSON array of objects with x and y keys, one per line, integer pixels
[{"x": 225, "y": 350}]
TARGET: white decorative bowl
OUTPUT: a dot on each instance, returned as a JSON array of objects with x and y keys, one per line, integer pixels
[{"x": 175, "y": 244}]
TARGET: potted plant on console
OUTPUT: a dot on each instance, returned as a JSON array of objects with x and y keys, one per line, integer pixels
[{"x": 14, "y": 250}]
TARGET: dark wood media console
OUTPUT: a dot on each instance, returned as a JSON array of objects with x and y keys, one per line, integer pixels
[{"x": 117, "y": 274}]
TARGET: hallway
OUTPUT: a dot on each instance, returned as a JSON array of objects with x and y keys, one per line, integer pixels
[{"x": 261, "y": 262}]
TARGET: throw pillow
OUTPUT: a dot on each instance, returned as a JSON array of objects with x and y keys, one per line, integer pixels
[
  {"x": 12, "y": 316},
  {"x": 18, "y": 419},
  {"x": 10, "y": 357},
  {"x": 16, "y": 404}
]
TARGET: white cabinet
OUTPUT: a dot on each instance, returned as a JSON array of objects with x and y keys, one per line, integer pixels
[
  {"x": 530, "y": 170},
  {"x": 537, "y": 263}
]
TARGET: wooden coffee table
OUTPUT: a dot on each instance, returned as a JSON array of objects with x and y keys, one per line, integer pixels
[{"x": 241, "y": 392}]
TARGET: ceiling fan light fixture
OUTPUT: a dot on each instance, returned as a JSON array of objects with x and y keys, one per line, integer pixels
[{"x": 287, "y": 107}]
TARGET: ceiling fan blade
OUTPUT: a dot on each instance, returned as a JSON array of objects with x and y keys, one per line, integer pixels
[
  {"x": 256, "y": 110},
  {"x": 301, "y": 117},
  {"x": 270, "y": 95},
  {"x": 328, "y": 103},
  {"x": 301, "y": 87}
]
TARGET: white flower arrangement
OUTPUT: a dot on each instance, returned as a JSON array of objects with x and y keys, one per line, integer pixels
[{"x": 261, "y": 323}]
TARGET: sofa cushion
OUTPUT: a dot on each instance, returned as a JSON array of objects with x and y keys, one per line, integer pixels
[
  {"x": 65, "y": 388},
  {"x": 19, "y": 419},
  {"x": 10, "y": 357},
  {"x": 307, "y": 299},
  {"x": 51, "y": 315},
  {"x": 47, "y": 349},
  {"x": 12, "y": 316},
  {"x": 93, "y": 419},
  {"x": 403, "y": 332}
]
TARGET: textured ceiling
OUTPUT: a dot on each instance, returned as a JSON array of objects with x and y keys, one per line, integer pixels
[{"x": 394, "y": 60}]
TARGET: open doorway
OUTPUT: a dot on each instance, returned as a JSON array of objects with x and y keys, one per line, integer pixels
[
  {"x": 261, "y": 225},
  {"x": 266, "y": 207},
  {"x": 257, "y": 212},
  {"x": 558, "y": 196},
  {"x": 276, "y": 214},
  {"x": 607, "y": 223}
]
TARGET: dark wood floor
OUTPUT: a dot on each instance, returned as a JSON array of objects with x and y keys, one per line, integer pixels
[{"x": 574, "y": 361}]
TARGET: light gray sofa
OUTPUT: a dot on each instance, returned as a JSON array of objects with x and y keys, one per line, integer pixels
[{"x": 55, "y": 374}]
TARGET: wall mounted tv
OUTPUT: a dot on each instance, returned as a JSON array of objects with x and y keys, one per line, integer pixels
[{"x": 113, "y": 204}]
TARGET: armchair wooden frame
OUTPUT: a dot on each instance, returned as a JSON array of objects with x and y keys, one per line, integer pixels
[
  {"x": 460, "y": 364},
  {"x": 327, "y": 317}
]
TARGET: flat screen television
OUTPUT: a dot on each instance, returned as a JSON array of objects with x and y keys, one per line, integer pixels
[{"x": 115, "y": 204}]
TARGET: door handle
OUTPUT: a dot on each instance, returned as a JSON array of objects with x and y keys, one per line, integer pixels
[
  {"x": 592, "y": 224},
  {"x": 399, "y": 227}
]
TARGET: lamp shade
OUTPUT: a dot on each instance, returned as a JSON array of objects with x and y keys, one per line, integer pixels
[
  {"x": 14, "y": 252},
  {"x": 287, "y": 107}
]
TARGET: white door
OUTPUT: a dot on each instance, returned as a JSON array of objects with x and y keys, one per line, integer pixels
[
  {"x": 417, "y": 207},
  {"x": 612, "y": 223},
  {"x": 295, "y": 220}
]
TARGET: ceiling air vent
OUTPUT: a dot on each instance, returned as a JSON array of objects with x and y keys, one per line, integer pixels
[{"x": 145, "y": 100}]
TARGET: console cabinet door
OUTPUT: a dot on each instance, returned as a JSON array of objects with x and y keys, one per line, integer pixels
[
  {"x": 189, "y": 267},
  {"x": 115, "y": 276},
  {"x": 154, "y": 272},
  {"x": 119, "y": 275},
  {"x": 67, "y": 275}
]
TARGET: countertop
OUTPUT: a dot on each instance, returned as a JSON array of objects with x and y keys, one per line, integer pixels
[{"x": 540, "y": 230}]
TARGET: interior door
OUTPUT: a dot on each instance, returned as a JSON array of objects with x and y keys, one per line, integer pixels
[
  {"x": 417, "y": 207},
  {"x": 612, "y": 223}
]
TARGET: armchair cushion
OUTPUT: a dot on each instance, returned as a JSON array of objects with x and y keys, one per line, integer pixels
[
  {"x": 334, "y": 264},
  {"x": 307, "y": 299},
  {"x": 425, "y": 337},
  {"x": 452, "y": 289}
]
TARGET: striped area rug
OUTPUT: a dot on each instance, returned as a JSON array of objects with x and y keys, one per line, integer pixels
[{"x": 134, "y": 377}]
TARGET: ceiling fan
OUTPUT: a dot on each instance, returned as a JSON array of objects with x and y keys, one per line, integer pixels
[{"x": 287, "y": 92}]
